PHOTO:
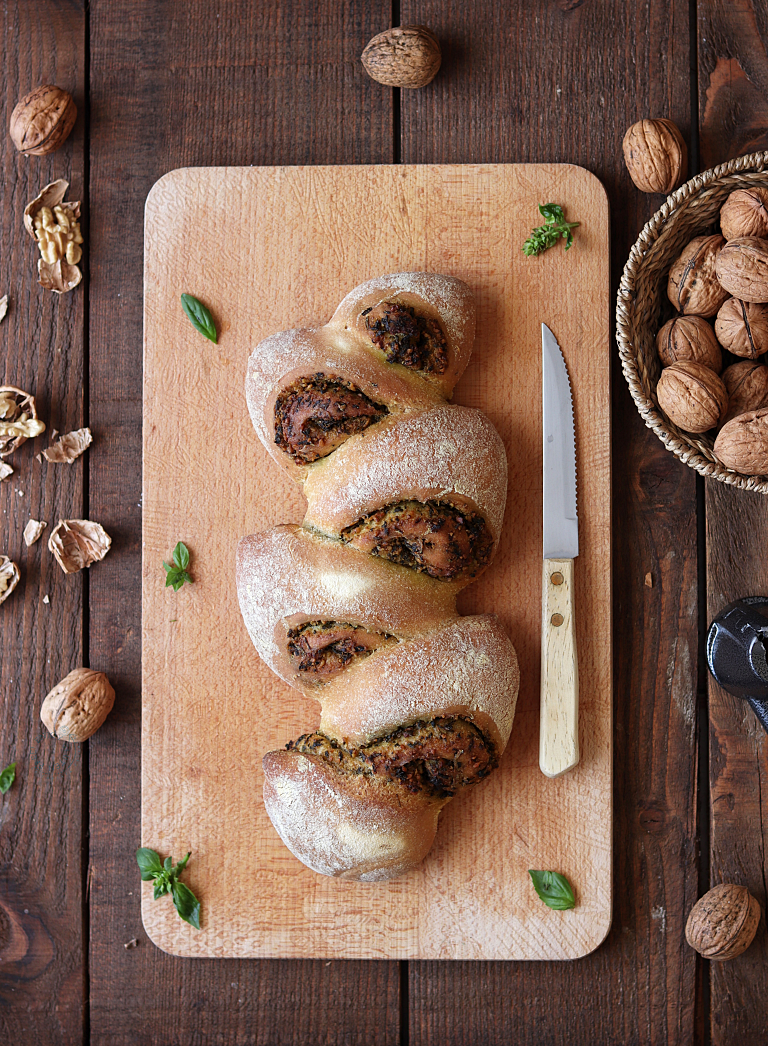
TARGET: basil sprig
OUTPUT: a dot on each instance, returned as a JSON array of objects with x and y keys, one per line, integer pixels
[
  {"x": 545, "y": 236},
  {"x": 554, "y": 890},
  {"x": 199, "y": 316},
  {"x": 176, "y": 573},
  {"x": 7, "y": 777},
  {"x": 165, "y": 875}
]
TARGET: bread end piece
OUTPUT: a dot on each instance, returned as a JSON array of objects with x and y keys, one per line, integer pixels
[{"x": 347, "y": 827}]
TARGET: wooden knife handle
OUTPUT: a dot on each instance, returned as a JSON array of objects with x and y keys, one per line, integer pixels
[{"x": 559, "y": 725}]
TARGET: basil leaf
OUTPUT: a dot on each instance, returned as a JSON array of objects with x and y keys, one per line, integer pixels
[
  {"x": 7, "y": 778},
  {"x": 187, "y": 905},
  {"x": 178, "y": 868},
  {"x": 199, "y": 316},
  {"x": 149, "y": 863},
  {"x": 554, "y": 889},
  {"x": 161, "y": 887},
  {"x": 181, "y": 555},
  {"x": 168, "y": 864}
]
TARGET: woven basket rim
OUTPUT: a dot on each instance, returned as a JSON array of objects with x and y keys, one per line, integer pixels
[{"x": 675, "y": 203}]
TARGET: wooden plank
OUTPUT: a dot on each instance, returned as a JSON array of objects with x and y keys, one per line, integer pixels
[
  {"x": 174, "y": 84},
  {"x": 529, "y": 93},
  {"x": 304, "y": 250},
  {"x": 733, "y": 86},
  {"x": 42, "y": 972}
]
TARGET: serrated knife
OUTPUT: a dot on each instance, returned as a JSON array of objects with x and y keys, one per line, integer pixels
[{"x": 559, "y": 724}]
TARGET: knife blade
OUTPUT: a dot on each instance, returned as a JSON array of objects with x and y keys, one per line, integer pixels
[{"x": 559, "y": 723}]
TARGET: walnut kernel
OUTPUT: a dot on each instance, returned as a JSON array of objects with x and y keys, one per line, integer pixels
[
  {"x": 745, "y": 213},
  {"x": 655, "y": 155},
  {"x": 742, "y": 268},
  {"x": 18, "y": 419},
  {"x": 689, "y": 338},
  {"x": 9, "y": 577},
  {"x": 78, "y": 705},
  {"x": 742, "y": 444},
  {"x": 722, "y": 924},
  {"x": 52, "y": 223},
  {"x": 42, "y": 121},
  {"x": 692, "y": 396},
  {"x": 406, "y": 56},
  {"x": 693, "y": 286},
  {"x": 742, "y": 327}
]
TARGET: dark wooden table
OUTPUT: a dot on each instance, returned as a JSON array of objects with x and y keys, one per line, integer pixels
[{"x": 170, "y": 83}]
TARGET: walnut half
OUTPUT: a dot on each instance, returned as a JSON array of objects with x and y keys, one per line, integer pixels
[
  {"x": 18, "y": 419},
  {"x": 78, "y": 705},
  {"x": 54, "y": 227},
  {"x": 76, "y": 543},
  {"x": 9, "y": 577}
]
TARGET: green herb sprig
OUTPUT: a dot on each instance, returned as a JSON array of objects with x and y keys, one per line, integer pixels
[
  {"x": 545, "y": 236},
  {"x": 165, "y": 875},
  {"x": 554, "y": 890},
  {"x": 176, "y": 573},
  {"x": 7, "y": 778},
  {"x": 199, "y": 316}
]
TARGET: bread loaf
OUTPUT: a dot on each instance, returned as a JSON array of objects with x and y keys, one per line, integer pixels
[{"x": 356, "y": 608}]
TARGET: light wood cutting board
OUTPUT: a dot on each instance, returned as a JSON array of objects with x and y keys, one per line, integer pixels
[{"x": 271, "y": 248}]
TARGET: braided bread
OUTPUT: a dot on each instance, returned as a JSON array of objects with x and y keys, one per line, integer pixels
[{"x": 356, "y": 607}]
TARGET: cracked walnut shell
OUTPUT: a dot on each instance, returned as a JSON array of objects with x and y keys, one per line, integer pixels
[
  {"x": 742, "y": 268},
  {"x": 406, "y": 56},
  {"x": 745, "y": 213},
  {"x": 78, "y": 705},
  {"x": 742, "y": 327},
  {"x": 655, "y": 155},
  {"x": 9, "y": 577},
  {"x": 692, "y": 396},
  {"x": 52, "y": 223},
  {"x": 18, "y": 419},
  {"x": 742, "y": 444},
  {"x": 42, "y": 121},
  {"x": 693, "y": 287},
  {"x": 689, "y": 338},
  {"x": 722, "y": 924},
  {"x": 76, "y": 543}
]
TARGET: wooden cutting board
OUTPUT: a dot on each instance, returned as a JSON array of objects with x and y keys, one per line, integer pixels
[{"x": 277, "y": 247}]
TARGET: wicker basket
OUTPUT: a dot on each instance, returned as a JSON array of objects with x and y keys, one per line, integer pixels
[{"x": 642, "y": 303}]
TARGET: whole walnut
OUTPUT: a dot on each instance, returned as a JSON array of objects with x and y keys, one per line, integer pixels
[
  {"x": 406, "y": 56},
  {"x": 742, "y": 268},
  {"x": 693, "y": 287},
  {"x": 747, "y": 385},
  {"x": 723, "y": 923},
  {"x": 655, "y": 155},
  {"x": 78, "y": 705},
  {"x": 689, "y": 338},
  {"x": 745, "y": 213},
  {"x": 42, "y": 120},
  {"x": 742, "y": 327},
  {"x": 692, "y": 396},
  {"x": 742, "y": 444}
]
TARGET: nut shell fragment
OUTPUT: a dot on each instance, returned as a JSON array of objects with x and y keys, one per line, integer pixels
[
  {"x": 5, "y": 470},
  {"x": 32, "y": 531},
  {"x": 692, "y": 396},
  {"x": 3, "y": 306},
  {"x": 43, "y": 120},
  {"x": 742, "y": 268},
  {"x": 655, "y": 155},
  {"x": 742, "y": 444},
  {"x": 406, "y": 56},
  {"x": 53, "y": 225},
  {"x": 693, "y": 287},
  {"x": 742, "y": 328},
  {"x": 745, "y": 213},
  {"x": 76, "y": 543},
  {"x": 69, "y": 447},
  {"x": 78, "y": 705},
  {"x": 689, "y": 338},
  {"x": 722, "y": 924},
  {"x": 9, "y": 577},
  {"x": 18, "y": 419}
]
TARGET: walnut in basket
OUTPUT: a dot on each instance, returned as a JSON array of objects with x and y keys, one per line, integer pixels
[
  {"x": 693, "y": 286},
  {"x": 689, "y": 338},
  {"x": 692, "y": 396},
  {"x": 747, "y": 385},
  {"x": 742, "y": 444},
  {"x": 745, "y": 213},
  {"x": 742, "y": 327},
  {"x": 742, "y": 268}
]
